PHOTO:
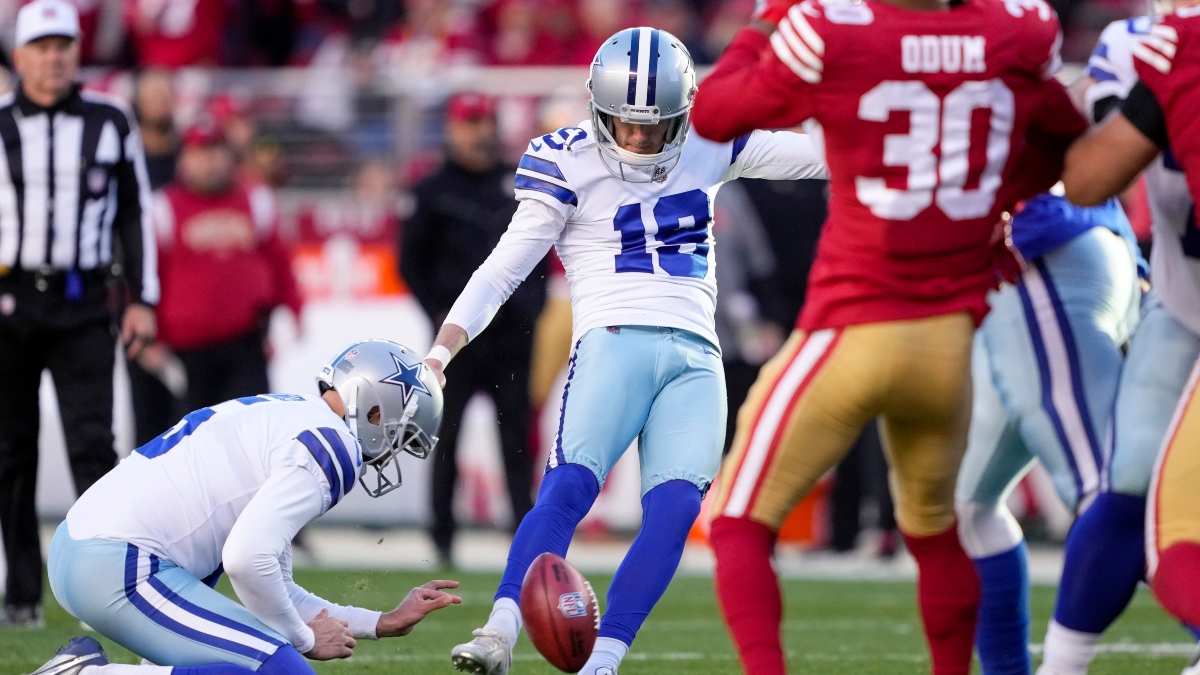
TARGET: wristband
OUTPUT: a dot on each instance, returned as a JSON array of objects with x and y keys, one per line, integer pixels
[{"x": 439, "y": 353}]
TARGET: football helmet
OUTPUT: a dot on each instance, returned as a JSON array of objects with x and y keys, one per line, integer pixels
[
  {"x": 393, "y": 404},
  {"x": 641, "y": 76}
]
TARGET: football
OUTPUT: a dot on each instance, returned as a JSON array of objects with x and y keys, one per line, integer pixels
[{"x": 560, "y": 610}]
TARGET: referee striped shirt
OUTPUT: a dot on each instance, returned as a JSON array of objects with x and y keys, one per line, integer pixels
[{"x": 72, "y": 182}]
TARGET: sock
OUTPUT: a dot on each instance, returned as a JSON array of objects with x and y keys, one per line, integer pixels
[
  {"x": 607, "y": 653},
  {"x": 1002, "y": 635},
  {"x": 506, "y": 618},
  {"x": 1067, "y": 652},
  {"x": 1105, "y": 559},
  {"x": 565, "y": 497},
  {"x": 125, "y": 669},
  {"x": 1174, "y": 581},
  {"x": 748, "y": 592},
  {"x": 948, "y": 595},
  {"x": 668, "y": 513}
]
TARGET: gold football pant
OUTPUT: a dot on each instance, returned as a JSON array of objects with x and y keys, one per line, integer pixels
[{"x": 811, "y": 400}]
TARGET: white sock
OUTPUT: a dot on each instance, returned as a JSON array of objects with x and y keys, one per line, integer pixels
[
  {"x": 506, "y": 618},
  {"x": 607, "y": 653},
  {"x": 125, "y": 669},
  {"x": 1066, "y": 651}
]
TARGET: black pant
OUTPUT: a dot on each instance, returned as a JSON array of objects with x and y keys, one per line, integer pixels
[
  {"x": 497, "y": 364},
  {"x": 739, "y": 377},
  {"x": 224, "y": 371},
  {"x": 75, "y": 341},
  {"x": 155, "y": 408}
]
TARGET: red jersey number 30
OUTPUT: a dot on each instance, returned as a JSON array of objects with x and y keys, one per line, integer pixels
[{"x": 934, "y": 121}]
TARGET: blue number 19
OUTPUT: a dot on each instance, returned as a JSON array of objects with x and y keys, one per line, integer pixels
[{"x": 682, "y": 219}]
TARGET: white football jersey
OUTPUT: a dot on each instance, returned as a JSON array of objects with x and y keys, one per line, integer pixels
[
  {"x": 178, "y": 496},
  {"x": 1175, "y": 256},
  {"x": 634, "y": 253}
]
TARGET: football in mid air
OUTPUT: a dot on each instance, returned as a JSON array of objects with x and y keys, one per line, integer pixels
[{"x": 560, "y": 611}]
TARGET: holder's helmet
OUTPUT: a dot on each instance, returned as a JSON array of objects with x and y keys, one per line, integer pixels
[
  {"x": 393, "y": 404},
  {"x": 641, "y": 76}
]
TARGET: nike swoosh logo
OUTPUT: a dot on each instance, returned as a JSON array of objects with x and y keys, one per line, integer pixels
[{"x": 535, "y": 145}]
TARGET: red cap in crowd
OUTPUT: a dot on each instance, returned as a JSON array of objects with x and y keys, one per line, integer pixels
[
  {"x": 204, "y": 132},
  {"x": 468, "y": 106}
]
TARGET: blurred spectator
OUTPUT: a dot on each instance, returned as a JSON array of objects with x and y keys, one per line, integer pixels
[
  {"x": 434, "y": 34},
  {"x": 679, "y": 18},
  {"x": 461, "y": 212},
  {"x": 176, "y": 33},
  {"x": 598, "y": 20},
  {"x": 223, "y": 270}
]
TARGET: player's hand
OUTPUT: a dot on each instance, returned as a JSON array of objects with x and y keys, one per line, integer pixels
[
  {"x": 333, "y": 638},
  {"x": 138, "y": 327},
  {"x": 419, "y": 602},
  {"x": 438, "y": 371}
]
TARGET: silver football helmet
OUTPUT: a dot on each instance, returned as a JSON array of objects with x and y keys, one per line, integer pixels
[
  {"x": 393, "y": 404},
  {"x": 641, "y": 76}
]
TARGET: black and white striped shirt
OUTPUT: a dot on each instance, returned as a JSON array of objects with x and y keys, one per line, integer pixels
[{"x": 75, "y": 181}]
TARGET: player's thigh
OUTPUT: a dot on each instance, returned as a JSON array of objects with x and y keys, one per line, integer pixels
[
  {"x": 996, "y": 457},
  {"x": 1152, "y": 382},
  {"x": 800, "y": 418},
  {"x": 926, "y": 416},
  {"x": 156, "y": 610},
  {"x": 1173, "y": 513},
  {"x": 685, "y": 430},
  {"x": 606, "y": 401}
]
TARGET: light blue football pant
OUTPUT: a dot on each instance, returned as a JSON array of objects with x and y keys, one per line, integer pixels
[
  {"x": 1046, "y": 367},
  {"x": 663, "y": 386},
  {"x": 153, "y": 608}
]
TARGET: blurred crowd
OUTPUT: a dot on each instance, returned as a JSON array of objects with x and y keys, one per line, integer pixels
[{"x": 422, "y": 35}]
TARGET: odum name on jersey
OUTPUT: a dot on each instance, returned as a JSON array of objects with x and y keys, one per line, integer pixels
[{"x": 942, "y": 53}]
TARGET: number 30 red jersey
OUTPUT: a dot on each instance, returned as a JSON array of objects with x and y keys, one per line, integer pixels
[{"x": 934, "y": 122}]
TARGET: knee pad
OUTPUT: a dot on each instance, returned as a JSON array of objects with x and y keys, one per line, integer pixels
[
  {"x": 987, "y": 529},
  {"x": 286, "y": 661}
]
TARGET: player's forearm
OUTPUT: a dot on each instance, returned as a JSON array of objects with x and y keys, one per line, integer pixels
[
  {"x": 716, "y": 114},
  {"x": 258, "y": 581},
  {"x": 1104, "y": 163},
  {"x": 362, "y": 622}
]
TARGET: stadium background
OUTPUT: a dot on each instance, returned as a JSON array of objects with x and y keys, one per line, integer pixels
[{"x": 341, "y": 105}]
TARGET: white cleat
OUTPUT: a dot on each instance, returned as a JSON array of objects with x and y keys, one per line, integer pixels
[
  {"x": 1193, "y": 664},
  {"x": 488, "y": 654}
]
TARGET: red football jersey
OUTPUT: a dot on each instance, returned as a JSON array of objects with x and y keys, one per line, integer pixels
[
  {"x": 926, "y": 115},
  {"x": 1168, "y": 63}
]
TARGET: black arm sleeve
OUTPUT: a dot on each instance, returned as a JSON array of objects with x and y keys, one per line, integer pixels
[
  {"x": 1104, "y": 106},
  {"x": 1144, "y": 112}
]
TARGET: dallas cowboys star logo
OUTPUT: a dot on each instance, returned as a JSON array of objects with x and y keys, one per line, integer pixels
[{"x": 408, "y": 377}]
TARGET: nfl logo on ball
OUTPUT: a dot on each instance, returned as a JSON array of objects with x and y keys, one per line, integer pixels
[{"x": 572, "y": 605}]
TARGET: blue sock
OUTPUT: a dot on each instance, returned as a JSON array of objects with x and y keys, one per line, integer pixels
[
  {"x": 668, "y": 512},
  {"x": 1105, "y": 560},
  {"x": 1002, "y": 633},
  {"x": 566, "y": 495},
  {"x": 1192, "y": 630}
]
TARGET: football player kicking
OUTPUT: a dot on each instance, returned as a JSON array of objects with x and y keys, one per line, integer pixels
[
  {"x": 1105, "y": 552},
  {"x": 626, "y": 199},
  {"x": 1157, "y": 116},
  {"x": 228, "y": 488},
  {"x": 937, "y": 117},
  {"x": 1046, "y": 363}
]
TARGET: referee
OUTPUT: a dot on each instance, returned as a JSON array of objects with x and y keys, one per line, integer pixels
[{"x": 73, "y": 188}]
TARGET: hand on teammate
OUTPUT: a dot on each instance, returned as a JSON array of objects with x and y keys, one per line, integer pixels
[
  {"x": 419, "y": 602},
  {"x": 438, "y": 371},
  {"x": 333, "y": 638}
]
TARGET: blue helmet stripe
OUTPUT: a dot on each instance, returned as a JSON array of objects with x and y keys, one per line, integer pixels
[
  {"x": 635, "y": 38},
  {"x": 652, "y": 75}
]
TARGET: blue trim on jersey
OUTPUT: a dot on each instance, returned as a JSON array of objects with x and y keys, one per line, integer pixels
[
  {"x": 171, "y": 437},
  {"x": 1064, "y": 325},
  {"x": 1101, "y": 50},
  {"x": 320, "y": 454},
  {"x": 1043, "y": 362},
  {"x": 542, "y": 166},
  {"x": 349, "y": 472},
  {"x": 562, "y": 414},
  {"x": 633, "y": 62},
  {"x": 1100, "y": 75},
  {"x": 739, "y": 144},
  {"x": 652, "y": 76},
  {"x": 559, "y": 192},
  {"x": 212, "y": 579},
  {"x": 151, "y": 612}
]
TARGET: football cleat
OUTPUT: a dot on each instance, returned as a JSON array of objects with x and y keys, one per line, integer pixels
[
  {"x": 488, "y": 654},
  {"x": 79, "y": 653}
]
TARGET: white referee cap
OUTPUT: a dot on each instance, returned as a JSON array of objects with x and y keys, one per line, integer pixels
[{"x": 44, "y": 18}]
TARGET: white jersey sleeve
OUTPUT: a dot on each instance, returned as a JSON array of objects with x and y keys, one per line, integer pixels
[
  {"x": 777, "y": 155},
  {"x": 1111, "y": 64},
  {"x": 541, "y": 176},
  {"x": 258, "y": 542},
  {"x": 362, "y": 622},
  {"x": 533, "y": 230}
]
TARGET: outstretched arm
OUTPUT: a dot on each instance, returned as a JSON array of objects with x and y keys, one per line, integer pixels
[
  {"x": 777, "y": 155},
  {"x": 1104, "y": 162},
  {"x": 533, "y": 230}
]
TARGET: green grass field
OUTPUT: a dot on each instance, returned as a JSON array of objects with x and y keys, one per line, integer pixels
[{"x": 831, "y": 628}]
